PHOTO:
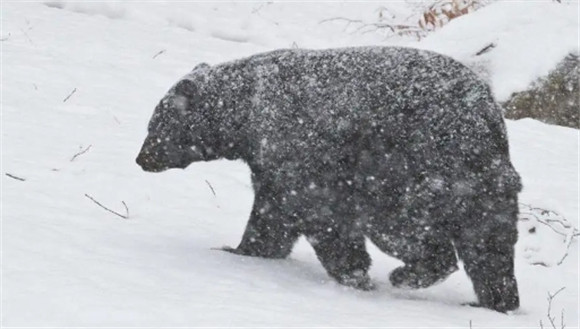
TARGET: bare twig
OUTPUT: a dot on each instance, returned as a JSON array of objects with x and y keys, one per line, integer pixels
[
  {"x": 347, "y": 20},
  {"x": 6, "y": 37},
  {"x": 551, "y": 318},
  {"x": 15, "y": 177},
  {"x": 69, "y": 95},
  {"x": 569, "y": 240},
  {"x": 126, "y": 216},
  {"x": 485, "y": 49},
  {"x": 524, "y": 216},
  {"x": 258, "y": 8},
  {"x": 363, "y": 27},
  {"x": 548, "y": 217},
  {"x": 81, "y": 152},
  {"x": 27, "y": 37},
  {"x": 158, "y": 53},
  {"x": 126, "y": 208},
  {"x": 211, "y": 187},
  {"x": 555, "y": 222}
]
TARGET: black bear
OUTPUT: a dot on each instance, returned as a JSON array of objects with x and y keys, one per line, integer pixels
[{"x": 403, "y": 146}]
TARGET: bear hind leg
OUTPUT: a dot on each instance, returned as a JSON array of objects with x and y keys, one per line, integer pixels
[
  {"x": 428, "y": 265},
  {"x": 427, "y": 251},
  {"x": 344, "y": 257}
]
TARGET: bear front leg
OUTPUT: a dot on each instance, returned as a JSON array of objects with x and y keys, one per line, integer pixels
[
  {"x": 343, "y": 254},
  {"x": 487, "y": 250},
  {"x": 270, "y": 233}
]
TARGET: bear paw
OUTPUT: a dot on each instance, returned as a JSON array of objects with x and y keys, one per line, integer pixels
[
  {"x": 501, "y": 308},
  {"x": 419, "y": 277},
  {"x": 360, "y": 281}
]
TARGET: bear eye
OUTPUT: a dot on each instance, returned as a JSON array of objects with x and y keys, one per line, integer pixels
[{"x": 185, "y": 87}]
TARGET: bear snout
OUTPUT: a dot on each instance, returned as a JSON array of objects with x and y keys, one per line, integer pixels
[
  {"x": 150, "y": 157},
  {"x": 156, "y": 156},
  {"x": 147, "y": 163}
]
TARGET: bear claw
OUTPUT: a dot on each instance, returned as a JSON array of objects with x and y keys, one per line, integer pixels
[{"x": 230, "y": 250}]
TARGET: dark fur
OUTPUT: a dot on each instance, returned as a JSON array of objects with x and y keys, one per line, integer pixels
[{"x": 404, "y": 146}]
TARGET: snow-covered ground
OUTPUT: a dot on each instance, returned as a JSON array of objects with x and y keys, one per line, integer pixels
[{"x": 68, "y": 262}]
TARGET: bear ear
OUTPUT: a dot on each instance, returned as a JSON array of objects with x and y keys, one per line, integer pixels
[{"x": 201, "y": 67}]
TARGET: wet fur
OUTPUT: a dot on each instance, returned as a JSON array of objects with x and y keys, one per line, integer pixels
[{"x": 403, "y": 146}]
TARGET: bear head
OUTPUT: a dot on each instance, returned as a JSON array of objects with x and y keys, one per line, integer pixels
[{"x": 180, "y": 130}]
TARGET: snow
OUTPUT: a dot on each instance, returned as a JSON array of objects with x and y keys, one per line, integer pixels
[
  {"x": 529, "y": 41},
  {"x": 68, "y": 262}
]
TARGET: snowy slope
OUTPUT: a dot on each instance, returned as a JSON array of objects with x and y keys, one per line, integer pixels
[
  {"x": 68, "y": 262},
  {"x": 528, "y": 40}
]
